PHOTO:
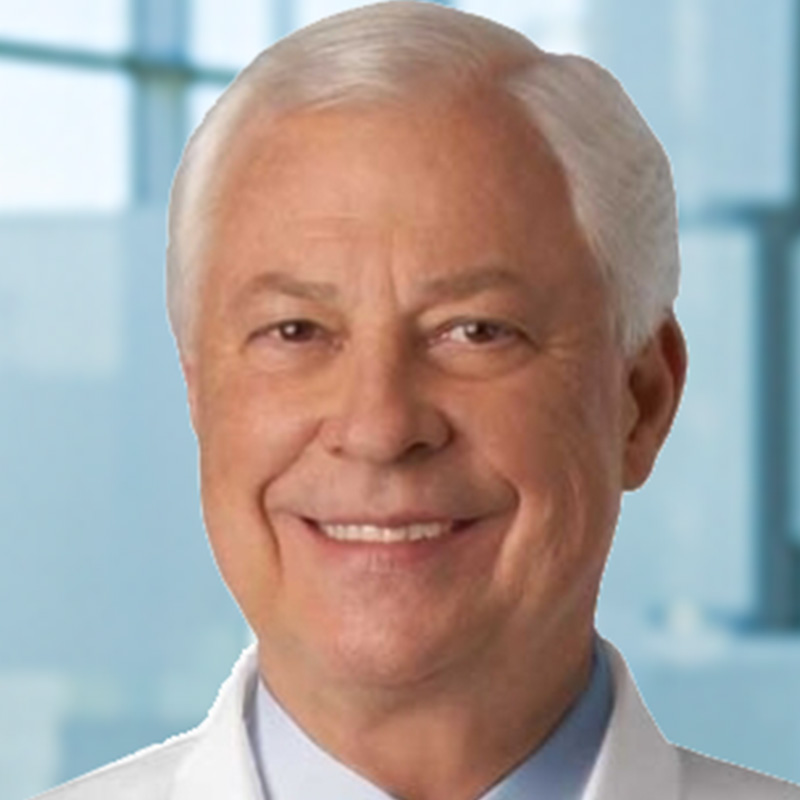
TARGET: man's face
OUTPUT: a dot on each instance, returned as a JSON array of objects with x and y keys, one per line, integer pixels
[{"x": 401, "y": 325}]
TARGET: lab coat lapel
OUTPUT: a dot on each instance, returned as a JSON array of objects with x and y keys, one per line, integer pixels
[
  {"x": 221, "y": 765},
  {"x": 635, "y": 760}
]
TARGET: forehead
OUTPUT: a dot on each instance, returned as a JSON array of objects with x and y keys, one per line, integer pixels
[{"x": 454, "y": 179}]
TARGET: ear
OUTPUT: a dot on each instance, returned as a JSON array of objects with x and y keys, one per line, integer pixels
[
  {"x": 190, "y": 378},
  {"x": 655, "y": 377}
]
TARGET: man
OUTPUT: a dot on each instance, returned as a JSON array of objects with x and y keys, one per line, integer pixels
[{"x": 421, "y": 277}]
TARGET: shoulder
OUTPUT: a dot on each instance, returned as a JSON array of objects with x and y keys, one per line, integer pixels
[
  {"x": 211, "y": 758},
  {"x": 636, "y": 760},
  {"x": 146, "y": 775},
  {"x": 706, "y": 778}
]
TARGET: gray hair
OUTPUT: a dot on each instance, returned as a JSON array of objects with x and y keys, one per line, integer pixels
[{"x": 618, "y": 175}]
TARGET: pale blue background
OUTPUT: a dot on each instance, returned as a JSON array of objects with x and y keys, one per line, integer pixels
[{"x": 115, "y": 630}]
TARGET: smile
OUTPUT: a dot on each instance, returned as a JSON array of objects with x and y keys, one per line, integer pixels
[
  {"x": 386, "y": 535},
  {"x": 389, "y": 534}
]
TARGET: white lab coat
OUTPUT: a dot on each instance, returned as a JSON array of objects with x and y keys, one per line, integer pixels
[{"x": 214, "y": 761}]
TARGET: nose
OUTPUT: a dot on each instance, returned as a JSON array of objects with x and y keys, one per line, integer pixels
[{"x": 378, "y": 411}]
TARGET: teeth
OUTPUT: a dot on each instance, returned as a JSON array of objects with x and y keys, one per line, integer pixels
[{"x": 374, "y": 533}]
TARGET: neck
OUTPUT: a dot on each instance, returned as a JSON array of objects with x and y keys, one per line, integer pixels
[{"x": 447, "y": 736}]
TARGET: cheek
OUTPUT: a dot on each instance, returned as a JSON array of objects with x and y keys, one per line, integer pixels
[
  {"x": 586, "y": 446},
  {"x": 540, "y": 431},
  {"x": 248, "y": 437},
  {"x": 253, "y": 434},
  {"x": 555, "y": 444}
]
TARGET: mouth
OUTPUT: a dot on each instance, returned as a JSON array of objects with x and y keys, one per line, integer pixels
[{"x": 413, "y": 531}]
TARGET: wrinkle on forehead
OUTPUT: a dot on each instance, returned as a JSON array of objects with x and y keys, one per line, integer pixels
[
  {"x": 440, "y": 129},
  {"x": 402, "y": 188}
]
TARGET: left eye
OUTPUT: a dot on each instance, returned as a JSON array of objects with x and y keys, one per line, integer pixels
[{"x": 479, "y": 331}]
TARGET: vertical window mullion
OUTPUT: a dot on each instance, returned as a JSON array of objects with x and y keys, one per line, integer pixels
[{"x": 159, "y": 34}]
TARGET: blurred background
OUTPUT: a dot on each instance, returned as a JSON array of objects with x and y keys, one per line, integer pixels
[{"x": 115, "y": 629}]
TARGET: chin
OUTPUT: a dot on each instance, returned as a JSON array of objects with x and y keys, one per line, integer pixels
[
  {"x": 379, "y": 666},
  {"x": 381, "y": 656}
]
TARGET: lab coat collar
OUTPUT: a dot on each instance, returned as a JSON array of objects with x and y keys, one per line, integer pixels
[
  {"x": 221, "y": 764},
  {"x": 635, "y": 760}
]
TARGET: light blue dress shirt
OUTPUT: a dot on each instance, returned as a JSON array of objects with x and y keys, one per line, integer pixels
[{"x": 293, "y": 767}]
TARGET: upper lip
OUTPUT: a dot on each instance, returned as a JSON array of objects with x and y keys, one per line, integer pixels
[{"x": 389, "y": 521}]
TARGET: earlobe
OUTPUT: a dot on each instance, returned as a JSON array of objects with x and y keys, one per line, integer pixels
[
  {"x": 654, "y": 384},
  {"x": 190, "y": 378}
]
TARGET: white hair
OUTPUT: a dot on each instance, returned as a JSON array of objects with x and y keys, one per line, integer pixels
[{"x": 618, "y": 175}]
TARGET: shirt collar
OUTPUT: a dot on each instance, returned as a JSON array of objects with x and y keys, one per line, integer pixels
[{"x": 292, "y": 765}]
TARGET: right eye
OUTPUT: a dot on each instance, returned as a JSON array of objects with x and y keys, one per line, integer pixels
[{"x": 290, "y": 331}]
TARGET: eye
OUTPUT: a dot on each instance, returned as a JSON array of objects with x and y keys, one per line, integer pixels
[
  {"x": 291, "y": 331},
  {"x": 479, "y": 331}
]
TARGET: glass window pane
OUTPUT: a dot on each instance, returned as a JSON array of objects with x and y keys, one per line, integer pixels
[
  {"x": 95, "y": 24},
  {"x": 794, "y": 383},
  {"x": 60, "y": 274},
  {"x": 715, "y": 80},
  {"x": 228, "y": 33},
  {"x": 64, "y": 141},
  {"x": 735, "y": 92},
  {"x": 201, "y": 97},
  {"x": 307, "y": 11}
]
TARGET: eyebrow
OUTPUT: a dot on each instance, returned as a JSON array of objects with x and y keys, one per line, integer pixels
[
  {"x": 470, "y": 282},
  {"x": 450, "y": 287},
  {"x": 283, "y": 283}
]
